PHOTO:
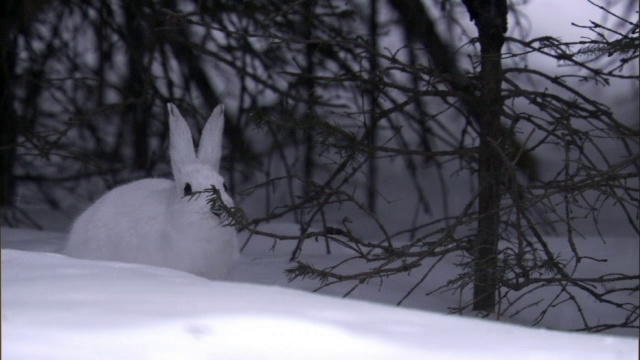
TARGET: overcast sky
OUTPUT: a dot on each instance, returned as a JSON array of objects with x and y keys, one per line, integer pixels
[{"x": 554, "y": 17}]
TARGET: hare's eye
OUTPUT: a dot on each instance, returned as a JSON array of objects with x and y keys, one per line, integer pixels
[
  {"x": 225, "y": 187},
  {"x": 187, "y": 189}
]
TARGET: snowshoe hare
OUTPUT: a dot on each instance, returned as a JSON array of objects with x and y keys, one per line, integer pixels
[{"x": 156, "y": 221}]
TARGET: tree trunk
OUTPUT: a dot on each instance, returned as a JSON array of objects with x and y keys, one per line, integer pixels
[
  {"x": 491, "y": 21},
  {"x": 309, "y": 86},
  {"x": 137, "y": 110},
  {"x": 12, "y": 14},
  {"x": 372, "y": 126},
  {"x": 8, "y": 125}
]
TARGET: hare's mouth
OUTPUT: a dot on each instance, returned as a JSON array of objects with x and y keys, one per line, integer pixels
[
  {"x": 215, "y": 202},
  {"x": 217, "y": 210}
]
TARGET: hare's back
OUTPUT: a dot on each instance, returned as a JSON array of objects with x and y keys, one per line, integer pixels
[
  {"x": 136, "y": 200},
  {"x": 125, "y": 224}
]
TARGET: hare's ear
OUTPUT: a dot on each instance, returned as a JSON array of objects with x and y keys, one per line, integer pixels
[
  {"x": 210, "y": 148},
  {"x": 180, "y": 140}
]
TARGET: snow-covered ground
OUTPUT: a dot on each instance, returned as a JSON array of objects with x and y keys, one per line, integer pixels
[{"x": 56, "y": 307}]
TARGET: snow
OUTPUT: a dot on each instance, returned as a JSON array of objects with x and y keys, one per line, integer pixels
[{"x": 56, "y": 307}]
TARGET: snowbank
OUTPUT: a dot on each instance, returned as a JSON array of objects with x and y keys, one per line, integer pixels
[{"x": 55, "y": 307}]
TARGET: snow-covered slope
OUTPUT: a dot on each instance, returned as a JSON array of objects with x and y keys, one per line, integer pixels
[{"x": 55, "y": 307}]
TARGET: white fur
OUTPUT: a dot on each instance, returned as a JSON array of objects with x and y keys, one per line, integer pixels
[{"x": 151, "y": 222}]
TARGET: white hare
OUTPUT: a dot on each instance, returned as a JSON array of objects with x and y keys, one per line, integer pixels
[{"x": 155, "y": 221}]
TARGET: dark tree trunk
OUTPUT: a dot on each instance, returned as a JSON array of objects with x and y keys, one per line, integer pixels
[
  {"x": 137, "y": 112},
  {"x": 491, "y": 21},
  {"x": 485, "y": 109},
  {"x": 8, "y": 125},
  {"x": 309, "y": 90},
  {"x": 13, "y": 16},
  {"x": 372, "y": 126},
  {"x": 309, "y": 86}
]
